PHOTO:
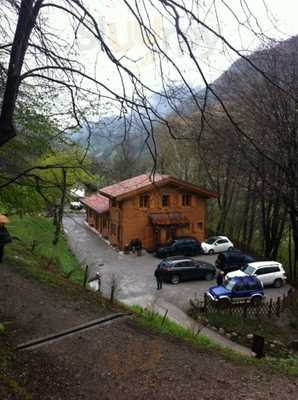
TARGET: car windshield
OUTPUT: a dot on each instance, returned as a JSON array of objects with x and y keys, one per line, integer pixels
[
  {"x": 229, "y": 284},
  {"x": 248, "y": 269},
  {"x": 211, "y": 240}
]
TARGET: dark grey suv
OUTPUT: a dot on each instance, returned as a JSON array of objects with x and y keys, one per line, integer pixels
[
  {"x": 232, "y": 260},
  {"x": 183, "y": 245},
  {"x": 177, "y": 269}
]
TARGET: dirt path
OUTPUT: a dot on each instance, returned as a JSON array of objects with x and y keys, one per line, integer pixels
[{"x": 117, "y": 361}]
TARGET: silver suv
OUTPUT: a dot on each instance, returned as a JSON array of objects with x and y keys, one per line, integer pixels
[{"x": 269, "y": 272}]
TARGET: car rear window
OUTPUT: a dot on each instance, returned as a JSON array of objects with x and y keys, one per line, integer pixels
[
  {"x": 275, "y": 269},
  {"x": 164, "y": 264},
  {"x": 221, "y": 241},
  {"x": 267, "y": 270}
]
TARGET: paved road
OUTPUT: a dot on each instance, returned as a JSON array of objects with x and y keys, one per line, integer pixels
[{"x": 134, "y": 274}]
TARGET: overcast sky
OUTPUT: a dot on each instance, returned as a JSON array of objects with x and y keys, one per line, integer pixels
[{"x": 279, "y": 21}]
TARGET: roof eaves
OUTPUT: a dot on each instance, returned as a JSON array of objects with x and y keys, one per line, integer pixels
[
  {"x": 139, "y": 190},
  {"x": 204, "y": 192}
]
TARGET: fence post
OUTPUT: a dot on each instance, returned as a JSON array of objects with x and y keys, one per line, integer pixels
[
  {"x": 270, "y": 308},
  {"x": 164, "y": 317},
  {"x": 278, "y": 307},
  {"x": 205, "y": 303},
  {"x": 245, "y": 311},
  {"x": 230, "y": 308},
  {"x": 85, "y": 276},
  {"x": 257, "y": 311},
  {"x": 283, "y": 302}
]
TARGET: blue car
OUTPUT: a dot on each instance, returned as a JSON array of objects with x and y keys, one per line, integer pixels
[{"x": 237, "y": 290}]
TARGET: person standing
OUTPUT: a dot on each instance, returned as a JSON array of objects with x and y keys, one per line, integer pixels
[
  {"x": 5, "y": 237},
  {"x": 219, "y": 278},
  {"x": 158, "y": 277}
]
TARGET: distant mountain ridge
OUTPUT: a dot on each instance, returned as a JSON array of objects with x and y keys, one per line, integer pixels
[{"x": 109, "y": 132}]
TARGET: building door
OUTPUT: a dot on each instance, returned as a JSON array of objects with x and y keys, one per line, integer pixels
[
  {"x": 157, "y": 235},
  {"x": 173, "y": 233}
]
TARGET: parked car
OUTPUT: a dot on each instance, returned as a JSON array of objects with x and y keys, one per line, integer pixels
[
  {"x": 232, "y": 260},
  {"x": 76, "y": 205},
  {"x": 238, "y": 289},
  {"x": 177, "y": 269},
  {"x": 184, "y": 246},
  {"x": 216, "y": 244},
  {"x": 269, "y": 272}
]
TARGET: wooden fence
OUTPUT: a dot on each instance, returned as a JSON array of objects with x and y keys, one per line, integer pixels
[{"x": 245, "y": 310}]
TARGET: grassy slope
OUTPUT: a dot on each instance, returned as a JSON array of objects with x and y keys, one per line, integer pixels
[
  {"x": 34, "y": 250},
  {"x": 34, "y": 253}
]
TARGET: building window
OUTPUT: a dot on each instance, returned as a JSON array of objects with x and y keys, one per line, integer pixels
[
  {"x": 186, "y": 199},
  {"x": 165, "y": 200},
  {"x": 144, "y": 201},
  {"x": 200, "y": 225}
]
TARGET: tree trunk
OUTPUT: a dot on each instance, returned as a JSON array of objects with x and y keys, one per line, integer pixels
[
  {"x": 27, "y": 16},
  {"x": 60, "y": 210}
]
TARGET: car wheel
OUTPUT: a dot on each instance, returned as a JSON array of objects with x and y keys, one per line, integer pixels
[
  {"x": 209, "y": 276},
  {"x": 230, "y": 248},
  {"x": 277, "y": 283},
  {"x": 211, "y": 252},
  {"x": 256, "y": 301},
  {"x": 175, "y": 279}
]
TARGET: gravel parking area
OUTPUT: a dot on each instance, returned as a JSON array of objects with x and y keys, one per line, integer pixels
[{"x": 135, "y": 275}]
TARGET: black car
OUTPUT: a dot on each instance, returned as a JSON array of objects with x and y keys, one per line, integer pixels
[
  {"x": 177, "y": 269},
  {"x": 184, "y": 246},
  {"x": 232, "y": 260}
]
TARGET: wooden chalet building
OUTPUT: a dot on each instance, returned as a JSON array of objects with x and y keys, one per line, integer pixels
[{"x": 153, "y": 210}]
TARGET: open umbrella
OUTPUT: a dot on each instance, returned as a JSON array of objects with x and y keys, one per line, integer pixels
[{"x": 4, "y": 219}]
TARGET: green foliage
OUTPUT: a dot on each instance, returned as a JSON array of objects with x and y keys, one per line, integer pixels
[
  {"x": 38, "y": 145},
  {"x": 2, "y": 329},
  {"x": 35, "y": 252},
  {"x": 157, "y": 322},
  {"x": 238, "y": 324},
  {"x": 20, "y": 200},
  {"x": 52, "y": 178},
  {"x": 37, "y": 136}
]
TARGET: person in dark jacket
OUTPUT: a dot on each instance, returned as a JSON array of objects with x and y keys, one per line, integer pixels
[
  {"x": 158, "y": 279},
  {"x": 5, "y": 238},
  {"x": 219, "y": 278}
]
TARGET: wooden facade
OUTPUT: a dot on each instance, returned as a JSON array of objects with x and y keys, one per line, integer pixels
[{"x": 152, "y": 211}]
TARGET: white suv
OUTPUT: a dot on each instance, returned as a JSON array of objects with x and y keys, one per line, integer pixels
[
  {"x": 269, "y": 272},
  {"x": 216, "y": 244}
]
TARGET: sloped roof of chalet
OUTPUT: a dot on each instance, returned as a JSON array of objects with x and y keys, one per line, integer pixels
[
  {"x": 97, "y": 202},
  {"x": 141, "y": 183}
]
